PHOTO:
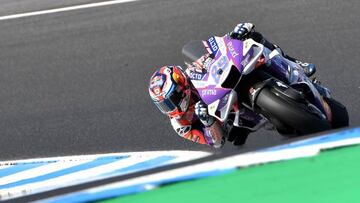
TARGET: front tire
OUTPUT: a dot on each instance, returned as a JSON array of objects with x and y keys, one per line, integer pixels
[{"x": 290, "y": 114}]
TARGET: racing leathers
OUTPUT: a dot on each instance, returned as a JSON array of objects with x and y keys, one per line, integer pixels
[{"x": 197, "y": 125}]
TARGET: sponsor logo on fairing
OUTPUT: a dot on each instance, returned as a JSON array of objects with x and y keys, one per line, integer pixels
[
  {"x": 213, "y": 45},
  {"x": 206, "y": 61},
  {"x": 246, "y": 60},
  {"x": 194, "y": 67},
  {"x": 196, "y": 76},
  {"x": 232, "y": 50},
  {"x": 208, "y": 92},
  {"x": 219, "y": 67},
  {"x": 225, "y": 99}
]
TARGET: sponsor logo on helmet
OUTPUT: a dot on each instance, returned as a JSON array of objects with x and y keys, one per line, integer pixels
[{"x": 157, "y": 83}]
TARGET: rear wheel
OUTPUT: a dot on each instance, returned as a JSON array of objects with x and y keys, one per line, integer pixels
[
  {"x": 290, "y": 117},
  {"x": 340, "y": 116}
]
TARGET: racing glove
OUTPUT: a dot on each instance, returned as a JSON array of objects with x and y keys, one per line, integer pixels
[
  {"x": 203, "y": 115},
  {"x": 213, "y": 132},
  {"x": 242, "y": 30}
]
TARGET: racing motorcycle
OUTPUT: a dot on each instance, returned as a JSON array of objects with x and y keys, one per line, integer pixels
[{"x": 246, "y": 85}]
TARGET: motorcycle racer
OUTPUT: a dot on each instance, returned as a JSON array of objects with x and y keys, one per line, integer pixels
[{"x": 173, "y": 93}]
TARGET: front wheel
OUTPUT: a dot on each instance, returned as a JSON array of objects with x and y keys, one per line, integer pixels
[{"x": 290, "y": 117}]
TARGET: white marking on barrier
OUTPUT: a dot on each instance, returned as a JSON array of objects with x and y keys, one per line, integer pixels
[
  {"x": 69, "y": 8},
  {"x": 180, "y": 153},
  {"x": 77, "y": 177},
  {"x": 84, "y": 175},
  {"x": 5, "y": 166},
  {"x": 34, "y": 172}
]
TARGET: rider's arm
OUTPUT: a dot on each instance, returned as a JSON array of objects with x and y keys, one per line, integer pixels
[
  {"x": 244, "y": 31},
  {"x": 211, "y": 127},
  {"x": 188, "y": 131},
  {"x": 197, "y": 132}
]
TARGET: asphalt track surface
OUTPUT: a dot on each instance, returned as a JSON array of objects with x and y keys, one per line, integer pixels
[{"x": 75, "y": 82}]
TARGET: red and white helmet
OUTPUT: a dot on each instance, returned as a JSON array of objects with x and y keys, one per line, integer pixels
[{"x": 170, "y": 90}]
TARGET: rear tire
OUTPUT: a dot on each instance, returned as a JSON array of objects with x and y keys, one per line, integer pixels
[
  {"x": 289, "y": 113},
  {"x": 340, "y": 116}
]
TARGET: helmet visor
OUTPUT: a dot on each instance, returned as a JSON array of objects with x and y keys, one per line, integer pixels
[
  {"x": 165, "y": 106},
  {"x": 172, "y": 103}
]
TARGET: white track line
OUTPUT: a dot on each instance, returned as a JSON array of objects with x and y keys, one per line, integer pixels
[{"x": 57, "y": 10}]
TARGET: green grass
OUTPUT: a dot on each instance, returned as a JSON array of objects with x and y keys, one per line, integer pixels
[{"x": 332, "y": 176}]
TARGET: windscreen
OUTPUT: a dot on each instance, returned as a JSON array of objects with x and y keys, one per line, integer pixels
[{"x": 193, "y": 51}]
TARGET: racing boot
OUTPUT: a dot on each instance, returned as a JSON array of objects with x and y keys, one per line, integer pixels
[
  {"x": 324, "y": 91},
  {"x": 238, "y": 135},
  {"x": 309, "y": 68}
]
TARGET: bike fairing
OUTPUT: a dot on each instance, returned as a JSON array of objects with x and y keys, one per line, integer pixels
[
  {"x": 224, "y": 52},
  {"x": 214, "y": 69}
]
